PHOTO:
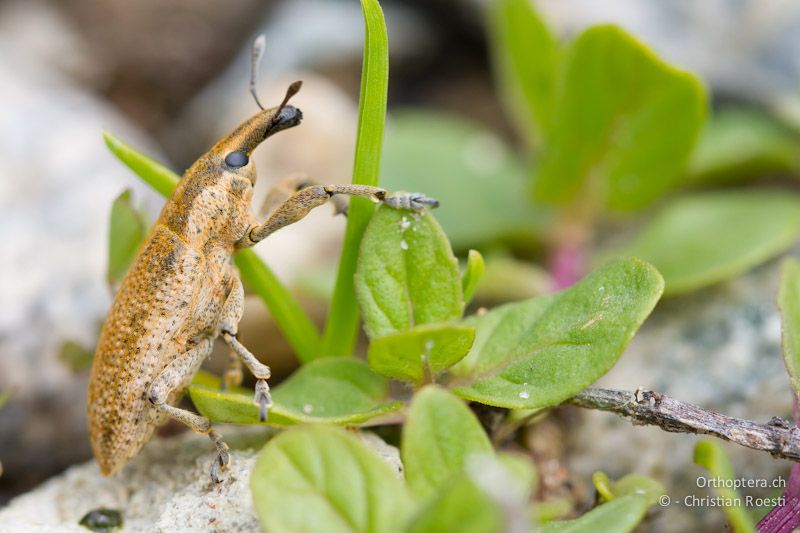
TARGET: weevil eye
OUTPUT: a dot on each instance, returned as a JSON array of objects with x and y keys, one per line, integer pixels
[{"x": 236, "y": 159}]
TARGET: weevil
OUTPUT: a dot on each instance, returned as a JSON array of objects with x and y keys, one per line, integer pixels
[{"x": 182, "y": 291}]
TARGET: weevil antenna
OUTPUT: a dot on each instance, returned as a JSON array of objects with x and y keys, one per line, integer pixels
[
  {"x": 255, "y": 59},
  {"x": 292, "y": 90}
]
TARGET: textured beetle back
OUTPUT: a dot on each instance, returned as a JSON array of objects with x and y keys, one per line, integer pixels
[{"x": 143, "y": 332}]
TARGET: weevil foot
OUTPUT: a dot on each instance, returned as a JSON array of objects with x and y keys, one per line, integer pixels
[
  {"x": 410, "y": 200},
  {"x": 222, "y": 459},
  {"x": 221, "y": 462},
  {"x": 262, "y": 399}
]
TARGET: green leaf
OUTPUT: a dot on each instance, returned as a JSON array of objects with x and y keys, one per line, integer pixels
[
  {"x": 4, "y": 396},
  {"x": 789, "y": 304},
  {"x": 420, "y": 352},
  {"x": 618, "y": 516},
  {"x": 439, "y": 435},
  {"x": 76, "y": 356},
  {"x": 316, "y": 478},
  {"x": 481, "y": 184},
  {"x": 508, "y": 279},
  {"x": 712, "y": 457},
  {"x": 472, "y": 275},
  {"x": 407, "y": 275},
  {"x": 525, "y": 55},
  {"x": 738, "y": 144},
  {"x": 543, "y": 351},
  {"x": 341, "y": 328},
  {"x": 703, "y": 239},
  {"x": 549, "y": 510},
  {"x": 153, "y": 173},
  {"x": 520, "y": 465},
  {"x": 461, "y": 507},
  {"x": 623, "y": 123},
  {"x": 493, "y": 493},
  {"x": 331, "y": 390},
  {"x": 630, "y": 484},
  {"x": 127, "y": 229},
  {"x": 287, "y": 312}
]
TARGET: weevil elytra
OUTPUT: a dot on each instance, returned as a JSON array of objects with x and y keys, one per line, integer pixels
[{"x": 182, "y": 291}]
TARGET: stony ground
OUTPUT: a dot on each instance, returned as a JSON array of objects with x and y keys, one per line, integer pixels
[{"x": 165, "y": 489}]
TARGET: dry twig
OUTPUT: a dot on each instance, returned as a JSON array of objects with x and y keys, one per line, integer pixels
[{"x": 778, "y": 436}]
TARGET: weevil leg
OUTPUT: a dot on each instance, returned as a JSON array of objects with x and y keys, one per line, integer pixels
[
  {"x": 286, "y": 187},
  {"x": 303, "y": 201},
  {"x": 259, "y": 370},
  {"x": 172, "y": 378},
  {"x": 231, "y": 314},
  {"x": 233, "y": 375}
]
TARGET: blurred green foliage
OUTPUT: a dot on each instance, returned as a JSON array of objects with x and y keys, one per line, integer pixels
[
  {"x": 631, "y": 484},
  {"x": 608, "y": 127},
  {"x": 701, "y": 239},
  {"x": 712, "y": 457},
  {"x": 127, "y": 229},
  {"x": 740, "y": 144},
  {"x": 623, "y": 126},
  {"x": 478, "y": 179},
  {"x": 75, "y": 356},
  {"x": 472, "y": 275},
  {"x": 526, "y": 57},
  {"x": 621, "y": 515}
]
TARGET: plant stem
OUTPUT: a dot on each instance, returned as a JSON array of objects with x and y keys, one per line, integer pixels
[
  {"x": 567, "y": 265},
  {"x": 785, "y": 516},
  {"x": 341, "y": 328},
  {"x": 777, "y": 437},
  {"x": 572, "y": 236}
]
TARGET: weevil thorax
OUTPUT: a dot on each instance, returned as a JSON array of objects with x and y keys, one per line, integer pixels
[{"x": 210, "y": 208}]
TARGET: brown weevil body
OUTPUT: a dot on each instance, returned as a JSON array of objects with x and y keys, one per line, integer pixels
[{"x": 182, "y": 291}]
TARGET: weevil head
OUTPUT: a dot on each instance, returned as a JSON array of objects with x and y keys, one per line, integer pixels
[{"x": 235, "y": 149}]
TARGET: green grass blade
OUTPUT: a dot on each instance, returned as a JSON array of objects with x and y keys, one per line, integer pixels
[
  {"x": 342, "y": 325},
  {"x": 290, "y": 317},
  {"x": 287, "y": 312},
  {"x": 153, "y": 173},
  {"x": 713, "y": 458}
]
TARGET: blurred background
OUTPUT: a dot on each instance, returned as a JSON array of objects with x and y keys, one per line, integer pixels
[{"x": 169, "y": 78}]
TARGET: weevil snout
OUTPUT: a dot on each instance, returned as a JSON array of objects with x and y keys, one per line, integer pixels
[
  {"x": 253, "y": 131},
  {"x": 288, "y": 117}
]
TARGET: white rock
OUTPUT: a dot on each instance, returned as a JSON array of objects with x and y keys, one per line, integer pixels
[
  {"x": 57, "y": 182},
  {"x": 165, "y": 489}
]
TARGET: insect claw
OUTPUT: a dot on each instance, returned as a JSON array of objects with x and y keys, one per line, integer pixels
[
  {"x": 427, "y": 201},
  {"x": 221, "y": 461},
  {"x": 410, "y": 200},
  {"x": 215, "y": 471},
  {"x": 262, "y": 399}
]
